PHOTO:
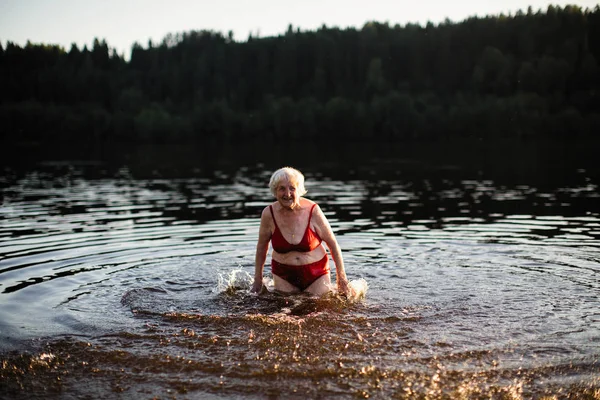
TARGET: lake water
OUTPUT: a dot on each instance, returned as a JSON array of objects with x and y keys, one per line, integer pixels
[{"x": 126, "y": 274}]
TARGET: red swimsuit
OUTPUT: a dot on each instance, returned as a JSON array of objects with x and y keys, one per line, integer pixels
[
  {"x": 301, "y": 276},
  {"x": 309, "y": 242}
]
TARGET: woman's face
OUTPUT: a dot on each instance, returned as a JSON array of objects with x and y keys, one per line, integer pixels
[{"x": 287, "y": 193}]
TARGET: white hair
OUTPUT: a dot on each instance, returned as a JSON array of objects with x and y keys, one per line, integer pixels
[{"x": 290, "y": 174}]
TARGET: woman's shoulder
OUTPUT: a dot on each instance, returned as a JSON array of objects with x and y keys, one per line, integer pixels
[
  {"x": 266, "y": 212},
  {"x": 309, "y": 204}
]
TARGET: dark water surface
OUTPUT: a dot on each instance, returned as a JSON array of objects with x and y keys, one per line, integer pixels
[{"x": 125, "y": 274}]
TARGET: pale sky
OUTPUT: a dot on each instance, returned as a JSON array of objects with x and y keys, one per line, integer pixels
[{"x": 123, "y": 22}]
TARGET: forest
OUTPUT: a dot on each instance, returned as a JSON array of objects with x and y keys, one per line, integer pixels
[{"x": 530, "y": 75}]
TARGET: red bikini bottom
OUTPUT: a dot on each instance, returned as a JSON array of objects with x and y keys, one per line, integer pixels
[{"x": 301, "y": 276}]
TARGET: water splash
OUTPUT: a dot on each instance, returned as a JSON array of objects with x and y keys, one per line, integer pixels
[
  {"x": 358, "y": 289},
  {"x": 236, "y": 280}
]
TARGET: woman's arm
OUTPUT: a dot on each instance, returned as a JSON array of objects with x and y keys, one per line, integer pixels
[
  {"x": 262, "y": 247},
  {"x": 326, "y": 233}
]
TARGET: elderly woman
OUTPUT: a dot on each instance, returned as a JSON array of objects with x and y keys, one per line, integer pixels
[{"x": 296, "y": 228}]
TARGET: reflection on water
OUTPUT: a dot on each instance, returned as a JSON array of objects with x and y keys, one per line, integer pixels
[{"x": 137, "y": 283}]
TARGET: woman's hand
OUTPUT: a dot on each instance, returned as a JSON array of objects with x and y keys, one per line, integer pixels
[
  {"x": 257, "y": 287},
  {"x": 343, "y": 288}
]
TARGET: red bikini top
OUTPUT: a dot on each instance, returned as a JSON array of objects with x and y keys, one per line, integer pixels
[{"x": 309, "y": 242}]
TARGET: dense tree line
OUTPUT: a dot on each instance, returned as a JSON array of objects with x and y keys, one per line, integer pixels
[{"x": 531, "y": 74}]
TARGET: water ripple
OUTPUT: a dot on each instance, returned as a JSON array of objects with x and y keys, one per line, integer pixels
[{"x": 475, "y": 287}]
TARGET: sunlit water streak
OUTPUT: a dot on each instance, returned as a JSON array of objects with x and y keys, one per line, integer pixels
[{"x": 141, "y": 286}]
